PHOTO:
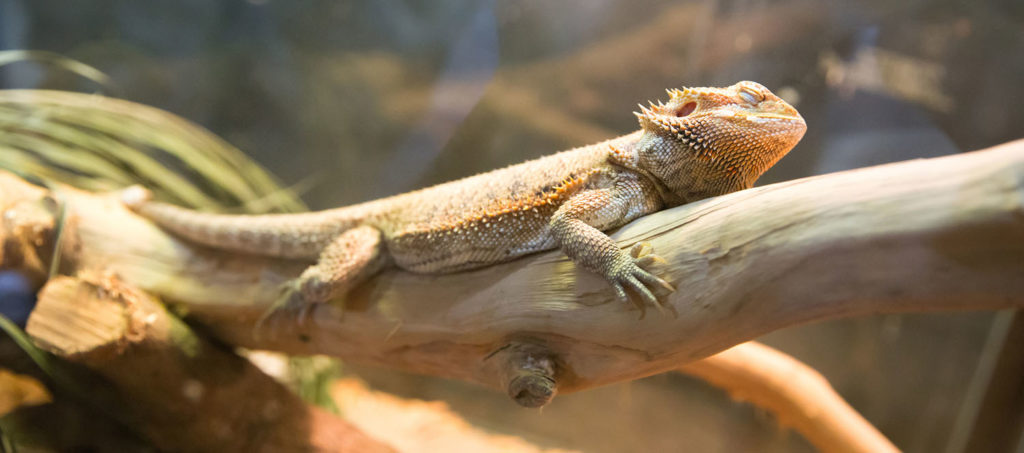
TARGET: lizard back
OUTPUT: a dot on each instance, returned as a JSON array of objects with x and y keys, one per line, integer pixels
[
  {"x": 454, "y": 225},
  {"x": 490, "y": 217}
]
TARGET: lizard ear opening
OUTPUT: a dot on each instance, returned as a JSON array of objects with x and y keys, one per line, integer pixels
[{"x": 686, "y": 109}]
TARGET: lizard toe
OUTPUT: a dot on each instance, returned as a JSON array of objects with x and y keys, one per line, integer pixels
[
  {"x": 643, "y": 260},
  {"x": 291, "y": 303},
  {"x": 652, "y": 280},
  {"x": 644, "y": 281},
  {"x": 620, "y": 292},
  {"x": 632, "y": 276},
  {"x": 641, "y": 249},
  {"x": 640, "y": 290},
  {"x": 647, "y": 260}
]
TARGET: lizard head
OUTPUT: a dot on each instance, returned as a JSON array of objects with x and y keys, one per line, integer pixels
[{"x": 709, "y": 141}]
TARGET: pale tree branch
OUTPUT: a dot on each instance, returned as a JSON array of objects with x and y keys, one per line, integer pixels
[
  {"x": 928, "y": 235},
  {"x": 925, "y": 235}
]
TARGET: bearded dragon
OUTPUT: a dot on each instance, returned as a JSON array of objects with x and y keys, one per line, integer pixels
[{"x": 701, "y": 143}]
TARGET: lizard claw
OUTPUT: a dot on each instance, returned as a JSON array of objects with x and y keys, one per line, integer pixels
[
  {"x": 641, "y": 249},
  {"x": 630, "y": 273},
  {"x": 291, "y": 303}
]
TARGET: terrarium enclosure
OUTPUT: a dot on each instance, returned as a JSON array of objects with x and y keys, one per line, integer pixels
[{"x": 318, "y": 104}]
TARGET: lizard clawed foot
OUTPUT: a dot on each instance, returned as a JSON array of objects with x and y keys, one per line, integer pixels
[
  {"x": 291, "y": 303},
  {"x": 630, "y": 272}
]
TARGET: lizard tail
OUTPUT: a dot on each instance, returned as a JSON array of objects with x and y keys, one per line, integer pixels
[{"x": 301, "y": 235}]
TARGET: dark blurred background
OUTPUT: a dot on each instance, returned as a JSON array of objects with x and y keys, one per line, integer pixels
[{"x": 351, "y": 101}]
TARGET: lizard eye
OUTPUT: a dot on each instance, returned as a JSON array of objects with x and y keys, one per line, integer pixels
[{"x": 751, "y": 96}]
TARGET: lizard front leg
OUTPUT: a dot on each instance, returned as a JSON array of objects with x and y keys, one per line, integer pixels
[
  {"x": 575, "y": 227},
  {"x": 348, "y": 260}
]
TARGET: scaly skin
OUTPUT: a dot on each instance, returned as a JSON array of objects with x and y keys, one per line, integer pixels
[{"x": 703, "y": 142}]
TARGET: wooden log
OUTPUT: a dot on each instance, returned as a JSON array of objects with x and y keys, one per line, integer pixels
[
  {"x": 926, "y": 235},
  {"x": 181, "y": 391}
]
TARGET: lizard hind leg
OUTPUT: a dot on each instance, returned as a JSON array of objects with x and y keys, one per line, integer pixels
[{"x": 347, "y": 261}]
